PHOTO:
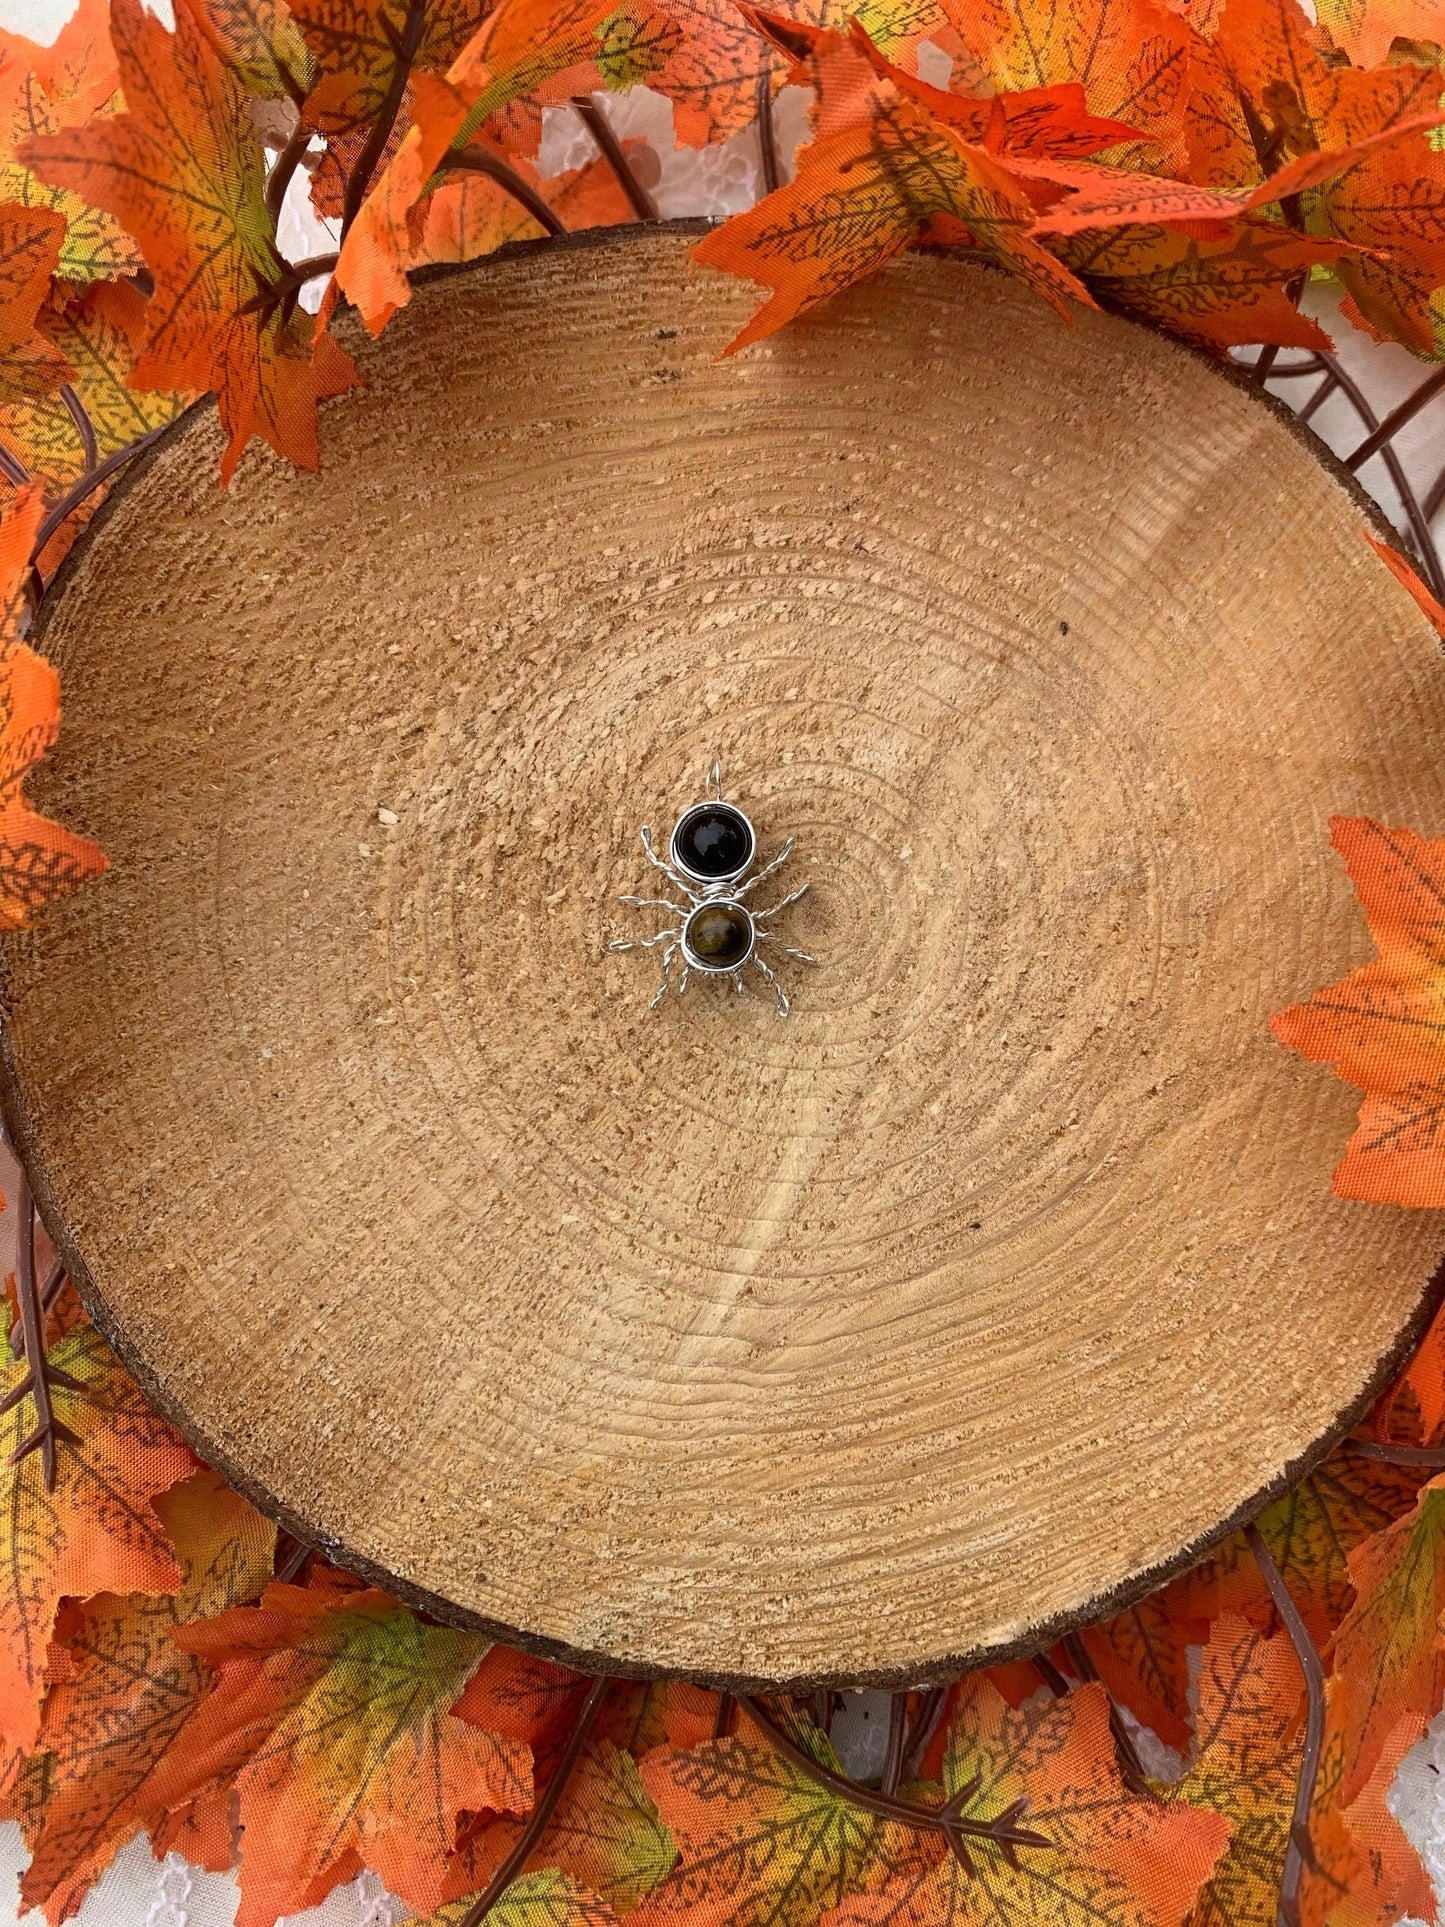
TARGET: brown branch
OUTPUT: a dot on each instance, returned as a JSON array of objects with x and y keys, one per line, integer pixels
[
  {"x": 1429, "y": 1458},
  {"x": 49, "y": 1292},
  {"x": 480, "y": 160},
  {"x": 722, "y": 1719},
  {"x": 926, "y": 1722},
  {"x": 1131, "y": 1767},
  {"x": 897, "y": 1739},
  {"x": 283, "y": 169},
  {"x": 1397, "y": 418},
  {"x": 359, "y": 179},
  {"x": 541, "y": 1813},
  {"x": 1419, "y": 526},
  {"x": 1299, "y": 1852},
  {"x": 75, "y": 408},
  {"x": 40, "y": 1374},
  {"x": 600, "y": 128},
  {"x": 768, "y": 133},
  {"x": 957, "y": 1827},
  {"x": 12, "y": 468},
  {"x": 87, "y": 485}
]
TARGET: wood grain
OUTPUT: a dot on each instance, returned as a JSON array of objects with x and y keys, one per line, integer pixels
[{"x": 964, "y": 1302}]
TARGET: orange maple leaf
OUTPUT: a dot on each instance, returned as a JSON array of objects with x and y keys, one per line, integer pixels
[
  {"x": 864, "y": 190},
  {"x": 1388, "y": 1654},
  {"x": 1425, "y": 598},
  {"x": 1390, "y": 205},
  {"x": 356, "y": 45},
  {"x": 30, "y": 240},
  {"x": 1361, "y": 1870},
  {"x": 97, "y": 1531},
  {"x": 1412, "y": 1412},
  {"x": 1130, "y": 56},
  {"x": 184, "y": 170},
  {"x": 1364, "y": 29},
  {"x": 1310, "y": 1532},
  {"x": 1111, "y": 1859},
  {"x": 331, "y": 1715},
  {"x": 109, "y": 1723},
  {"x": 262, "y": 45},
  {"x": 523, "y": 45},
  {"x": 1383, "y": 1026},
  {"x": 1218, "y": 290},
  {"x": 39, "y": 860},
  {"x": 763, "y": 1844},
  {"x": 1142, "y": 1656},
  {"x": 100, "y": 335}
]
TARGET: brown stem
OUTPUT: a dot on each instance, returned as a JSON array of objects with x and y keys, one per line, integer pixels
[
  {"x": 40, "y": 1375},
  {"x": 12, "y": 468},
  {"x": 75, "y": 408},
  {"x": 1053, "y": 1678},
  {"x": 1419, "y": 526},
  {"x": 768, "y": 133},
  {"x": 1264, "y": 366},
  {"x": 1321, "y": 395},
  {"x": 480, "y": 160},
  {"x": 49, "y": 1292},
  {"x": 926, "y": 1722},
  {"x": 1429, "y": 1458},
  {"x": 897, "y": 1737},
  {"x": 600, "y": 128},
  {"x": 359, "y": 179},
  {"x": 723, "y": 1718},
  {"x": 286, "y": 164},
  {"x": 1298, "y": 1851},
  {"x": 1407, "y": 410},
  {"x": 956, "y": 1827},
  {"x": 87, "y": 485},
  {"x": 541, "y": 1813},
  {"x": 1131, "y": 1767}
]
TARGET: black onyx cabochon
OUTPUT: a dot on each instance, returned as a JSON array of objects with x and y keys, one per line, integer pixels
[
  {"x": 713, "y": 840},
  {"x": 719, "y": 935}
]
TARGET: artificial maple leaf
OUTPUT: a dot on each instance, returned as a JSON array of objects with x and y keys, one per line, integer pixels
[
  {"x": 1388, "y": 1647},
  {"x": 1110, "y": 1860},
  {"x": 1429, "y": 604},
  {"x": 522, "y": 45},
  {"x": 1390, "y": 206},
  {"x": 605, "y": 1834},
  {"x": 39, "y": 859},
  {"x": 1038, "y": 122},
  {"x": 1220, "y": 293},
  {"x": 1310, "y": 1533},
  {"x": 763, "y": 1844},
  {"x": 1412, "y": 1411},
  {"x": 262, "y": 45},
  {"x": 356, "y": 43},
  {"x": 1383, "y": 1026},
  {"x": 1245, "y": 1768},
  {"x": 860, "y": 195},
  {"x": 544, "y": 1899},
  {"x": 1364, "y": 29},
  {"x": 1142, "y": 1656},
  {"x": 184, "y": 169},
  {"x": 100, "y": 335},
  {"x": 1361, "y": 1869},
  {"x": 331, "y": 1714},
  {"x": 43, "y": 89},
  {"x": 1130, "y": 56},
  {"x": 29, "y": 250},
  {"x": 132, "y": 1689},
  {"x": 97, "y": 1531}
]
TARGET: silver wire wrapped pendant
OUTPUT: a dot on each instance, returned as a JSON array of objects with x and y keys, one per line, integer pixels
[{"x": 709, "y": 855}]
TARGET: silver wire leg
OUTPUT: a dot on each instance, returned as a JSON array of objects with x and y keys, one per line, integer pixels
[
  {"x": 778, "y": 992},
  {"x": 768, "y": 869}
]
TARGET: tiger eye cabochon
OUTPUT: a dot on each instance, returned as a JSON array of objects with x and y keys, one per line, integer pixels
[{"x": 992, "y": 1285}]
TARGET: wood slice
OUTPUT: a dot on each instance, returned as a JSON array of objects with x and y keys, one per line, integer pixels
[{"x": 986, "y": 1289}]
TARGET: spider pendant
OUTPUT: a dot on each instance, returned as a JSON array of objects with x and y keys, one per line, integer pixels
[{"x": 717, "y": 934}]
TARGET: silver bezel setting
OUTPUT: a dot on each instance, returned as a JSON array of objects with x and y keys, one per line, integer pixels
[
  {"x": 717, "y": 884},
  {"x": 691, "y": 958}
]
